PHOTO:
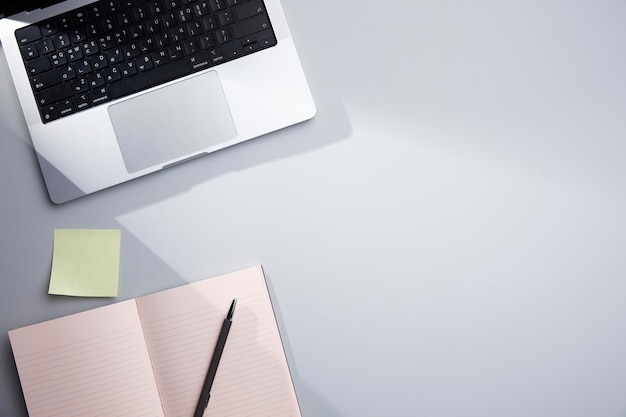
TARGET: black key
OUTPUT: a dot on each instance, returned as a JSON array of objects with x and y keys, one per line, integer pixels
[
  {"x": 172, "y": 4},
  {"x": 191, "y": 46},
  {"x": 251, "y": 47},
  {"x": 207, "y": 41},
  {"x": 210, "y": 23},
  {"x": 91, "y": 48},
  {"x": 160, "y": 58},
  {"x": 176, "y": 52},
  {"x": 223, "y": 35},
  {"x": 250, "y": 26},
  {"x": 64, "y": 22},
  {"x": 115, "y": 55},
  {"x": 178, "y": 34},
  {"x": 146, "y": 45},
  {"x": 53, "y": 94},
  {"x": 199, "y": 61},
  {"x": 28, "y": 34},
  {"x": 108, "y": 24},
  {"x": 99, "y": 95},
  {"x": 248, "y": 40},
  {"x": 128, "y": 68},
  {"x": 58, "y": 58},
  {"x": 67, "y": 73},
  {"x": 80, "y": 17},
  {"x": 124, "y": 19},
  {"x": 266, "y": 38},
  {"x": 45, "y": 46},
  {"x": 154, "y": 25},
  {"x": 249, "y": 9},
  {"x": 201, "y": 9},
  {"x": 95, "y": 11},
  {"x": 93, "y": 30},
  {"x": 267, "y": 42},
  {"x": 74, "y": 53},
  {"x": 217, "y": 5},
  {"x": 99, "y": 62},
  {"x": 111, "y": 7},
  {"x": 61, "y": 40},
  {"x": 155, "y": 8},
  {"x": 140, "y": 13},
  {"x": 194, "y": 28},
  {"x": 77, "y": 35},
  {"x": 105, "y": 42},
  {"x": 45, "y": 80},
  {"x": 144, "y": 63},
  {"x": 156, "y": 76},
  {"x": 217, "y": 56},
  {"x": 131, "y": 50},
  {"x": 38, "y": 65},
  {"x": 232, "y": 51},
  {"x": 83, "y": 67},
  {"x": 169, "y": 20},
  {"x": 162, "y": 39},
  {"x": 80, "y": 85},
  {"x": 185, "y": 15},
  {"x": 64, "y": 107},
  {"x": 121, "y": 36},
  {"x": 96, "y": 80},
  {"x": 49, "y": 113},
  {"x": 29, "y": 52},
  {"x": 226, "y": 17},
  {"x": 127, "y": 4},
  {"x": 137, "y": 31},
  {"x": 48, "y": 28},
  {"x": 81, "y": 102},
  {"x": 112, "y": 74}
]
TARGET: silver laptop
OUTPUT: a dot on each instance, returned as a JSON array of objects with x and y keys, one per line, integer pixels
[{"x": 116, "y": 89}]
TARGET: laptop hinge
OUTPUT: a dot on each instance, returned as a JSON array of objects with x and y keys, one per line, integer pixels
[{"x": 42, "y": 5}]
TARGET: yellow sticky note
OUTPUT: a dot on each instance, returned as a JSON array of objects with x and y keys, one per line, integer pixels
[{"x": 85, "y": 262}]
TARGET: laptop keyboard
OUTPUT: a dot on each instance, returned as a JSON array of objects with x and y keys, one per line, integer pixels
[{"x": 110, "y": 49}]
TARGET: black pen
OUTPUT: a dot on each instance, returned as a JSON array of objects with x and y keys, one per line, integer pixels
[{"x": 205, "y": 394}]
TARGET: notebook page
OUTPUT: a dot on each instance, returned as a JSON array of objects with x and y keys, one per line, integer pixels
[
  {"x": 92, "y": 364},
  {"x": 181, "y": 327}
]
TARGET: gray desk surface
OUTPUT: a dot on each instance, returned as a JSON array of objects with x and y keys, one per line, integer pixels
[{"x": 445, "y": 238}]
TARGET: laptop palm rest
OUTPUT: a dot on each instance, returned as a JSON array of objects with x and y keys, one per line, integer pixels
[{"x": 172, "y": 122}]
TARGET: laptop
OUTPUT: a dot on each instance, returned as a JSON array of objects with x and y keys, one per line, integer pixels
[{"x": 115, "y": 89}]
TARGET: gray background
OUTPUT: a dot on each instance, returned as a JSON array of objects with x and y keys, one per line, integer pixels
[{"x": 446, "y": 237}]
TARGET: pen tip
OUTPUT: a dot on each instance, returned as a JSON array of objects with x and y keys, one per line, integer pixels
[{"x": 231, "y": 310}]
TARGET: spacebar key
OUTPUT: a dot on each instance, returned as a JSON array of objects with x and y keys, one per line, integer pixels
[
  {"x": 150, "y": 78},
  {"x": 250, "y": 26}
]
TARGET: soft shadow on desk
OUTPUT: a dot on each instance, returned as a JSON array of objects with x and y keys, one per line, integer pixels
[
  {"x": 11, "y": 116},
  {"x": 311, "y": 403},
  {"x": 294, "y": 140},
  {"x": 330, "y": 125},
  {"x": 13, "y": 391}
]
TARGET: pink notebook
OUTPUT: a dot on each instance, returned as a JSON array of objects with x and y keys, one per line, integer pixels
[{"x": 149, "y": 356}]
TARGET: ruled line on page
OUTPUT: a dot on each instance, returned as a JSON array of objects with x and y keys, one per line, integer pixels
[
  {"x": 181, "y": 328},
  {"x": 93, "y": 363}
]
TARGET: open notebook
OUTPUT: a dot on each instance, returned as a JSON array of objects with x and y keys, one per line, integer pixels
[{"x": 149, "y": 356}]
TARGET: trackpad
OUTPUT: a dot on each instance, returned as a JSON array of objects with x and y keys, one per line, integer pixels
[{"x": 174, "y": 121}]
